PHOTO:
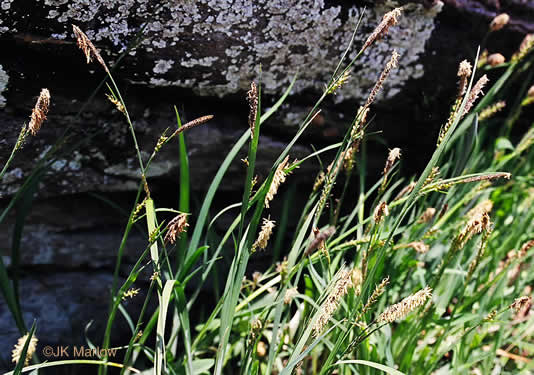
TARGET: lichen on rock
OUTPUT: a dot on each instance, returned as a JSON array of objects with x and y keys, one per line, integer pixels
[
  {"x": 4, "y": 78},
  {"x": 215, "y": 47}
]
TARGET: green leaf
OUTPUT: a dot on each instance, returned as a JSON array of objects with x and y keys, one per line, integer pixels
[{"x": 378, "y": 366}]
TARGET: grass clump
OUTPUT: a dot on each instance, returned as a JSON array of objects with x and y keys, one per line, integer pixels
[{"x": 422, "y": 276}]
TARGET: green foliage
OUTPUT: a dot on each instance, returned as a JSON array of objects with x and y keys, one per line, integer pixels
[{"x": 342, "y": 294}]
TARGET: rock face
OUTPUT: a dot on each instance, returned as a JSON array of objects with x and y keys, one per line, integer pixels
[{"x": 200, "y": 56}]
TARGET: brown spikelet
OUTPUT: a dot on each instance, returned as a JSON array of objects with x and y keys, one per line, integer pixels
[
  {"x": 499, "y": 22},
  {"x": 496, "y": 59},
  {"x": 192, "y": 124},
  {"x": 39, "y": 112},
  {"x": 525, "y": 248},
  {"x": 278, "y": 179},
  {"x": 265, "y": 234},
  {"x": 17, "y": 349},
  {"x": 418, "y": 246},
  {"x": 320, "y": 238},
  {"x": 252, "y": 98},
  {"x": 381, "y": 211},
  {"x": 394, "y": 154},
  {"x": 405, "y": 190},
  {"x": 476, "y": 224},
  {"x": 464, "y": 72},
  {"x": 474, "y": 93},
  {"x": 389, "y": 19},
  {"x": 404, "y": 307},
  {"x": 392, "y": 63},
  {"x": 176, "y": 226},
  {"x": 88, "y": 47},
  {"x": 520, "y": 303}
]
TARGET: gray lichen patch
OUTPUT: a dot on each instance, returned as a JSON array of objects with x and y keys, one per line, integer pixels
[
  {"x": 186, "y": 40},
  {"x": 4, "y": 78}
]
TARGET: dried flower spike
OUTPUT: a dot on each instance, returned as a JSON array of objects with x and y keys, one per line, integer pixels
[
  {"x": 320, "y": 238},
  {"x": 176, "y": 226},
  {"x": 496, "y": 59},
  {"x": 520, "y": 303},
  {"x": 39, "y": 112},
  {"x": 381, "y": 211},
  {"x": 88, "y": 48},
  {"x": 404, "y": 307},
  {"x": 464, "y": 72},
  {"x": 392, "y": 63},
  {"x": 394, "y": 154},
  {"x": 499, "y": 22},
  {"x": 17, "y": 349},
  {"x": 278, "y": 179},
  {"x": 389, "y": 19},
  {"x": 265, "y": 234},
  {"x": 474, "y": 93},
  {"x": 252, "y": 98},
  {"x": 419, "y": 247}
]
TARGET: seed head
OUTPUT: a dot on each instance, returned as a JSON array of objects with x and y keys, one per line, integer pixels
[
  {"x": 88, "y": 48},
  {"x": 39, "y": 112},
  {"x": 474, "y": 93},
  {"x": 392, "y": 63},
  {"x": 389, "y": 19},
  {"x": 419, "y": 246},
  {"x": 331, "y": 303},
  {"x": 526, "y": 45},
  {"x": 464, "y": 72},
  {"x": 379, "y": 290},
  {"x": 394, "y": 154},
  {"x": 131, "y": 293},
  {"x": 490, "y": 111},
  {"x": 252, "y": 98},
  {"x": 404, "y": 307},
  {"x": 381, "y": 211},
  {"x": 265, "y": 234},
  {"x": 278, "y": 179},
  {"x": 520, "y": 303},
  {"x": 320, "y": 238},
  {"x": 176, "y": 226},
  {"x": 496, "y": 59},
  {"x": 525, "y": 248},
  {"x": 17, "y": 349},
  {"x": 340, "y": 81},
  {"x": 499, "y": 22}
]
